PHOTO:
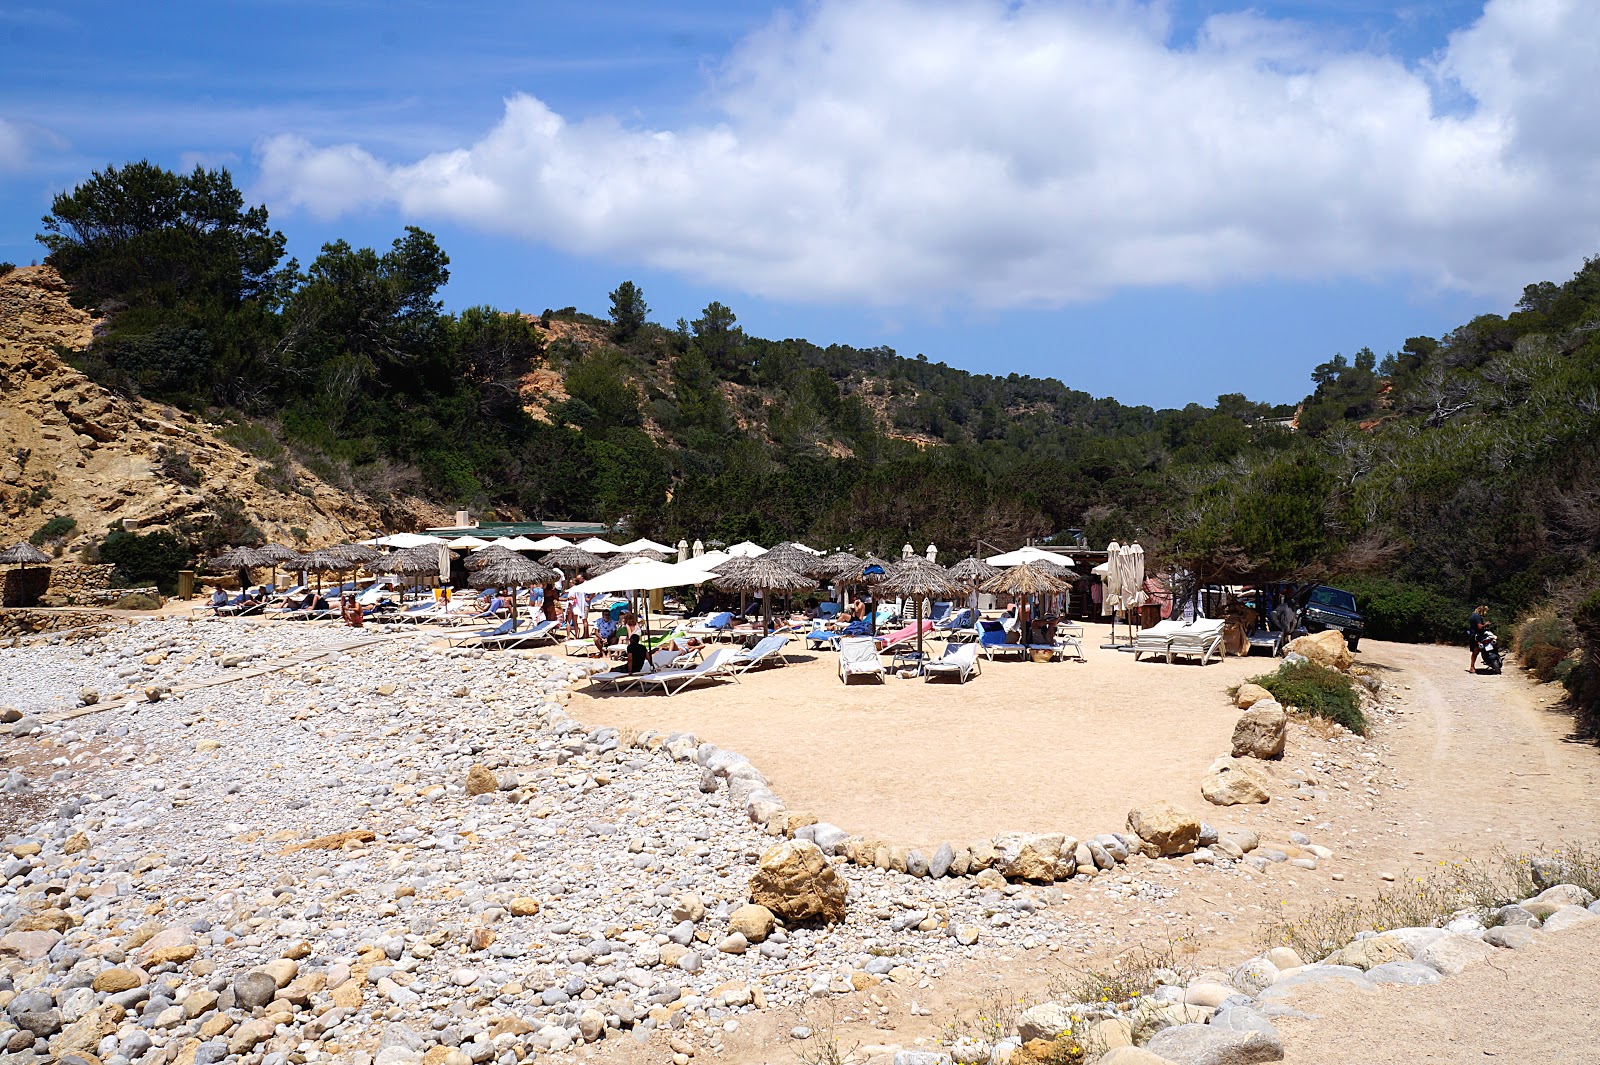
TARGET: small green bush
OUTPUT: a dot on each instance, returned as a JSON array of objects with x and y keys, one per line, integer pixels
[
  {"x": 57, "y": 528},
  {"x": 137, "y": 601},
  {"x": 1405, "y": 612},
  {"x": 1314, "y": 689},
  {"x": 148, "y": 558},
  {"x": 6, "y": 268},
  {"x": 1583, "y": 679},
  {"x": 1543, "y": 644}
]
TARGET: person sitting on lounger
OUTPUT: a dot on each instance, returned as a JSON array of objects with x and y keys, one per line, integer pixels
[
  {"x": 637, "y": 654},
  {"x": 858, "y": 610},
  {"x": 605, "y": 632},
  {"x": 219, "y": 599}
]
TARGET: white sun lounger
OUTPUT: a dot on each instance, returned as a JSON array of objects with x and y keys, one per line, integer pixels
[
  {"x": 858, "y": 657},
  {"x": 1200, "y": 640},
  {"x": 769, "y": 650},
  {"x": 662, "y": 660},
  {"x": 1154, "y": 640},
  {"x": 959, "y": 662},
  {"x": 673, "y": 681}
]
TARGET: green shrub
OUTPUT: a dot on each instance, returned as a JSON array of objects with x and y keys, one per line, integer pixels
[
  {"x": 1314, "y": 689},
  {"x": 6, "y": 268},
  {"x": 1543, "y": 643},
  {"x": 151, "y": 558},
  {"x": 57, "y": 528},
  {"x": 1583, "y": 680},
  {"x": 137, "y": 601},
  {"x": 1405, "y": 612}
]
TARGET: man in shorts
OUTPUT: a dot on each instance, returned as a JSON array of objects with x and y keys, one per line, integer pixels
[{"x": 1475, "y": 626}]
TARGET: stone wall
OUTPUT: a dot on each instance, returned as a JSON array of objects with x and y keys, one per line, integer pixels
[
  {"x": 72, "y": 583},
  {"x": 24, "y": 587},
  {"x": 18, "y": 623}
]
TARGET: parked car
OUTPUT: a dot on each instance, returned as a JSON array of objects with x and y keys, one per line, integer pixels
[{"x": 1332, "y": 608}]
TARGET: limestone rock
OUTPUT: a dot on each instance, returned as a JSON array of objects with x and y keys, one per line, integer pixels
[
  {"x": 1567, "y": 917},
  {"x": 1369, "y": 953},
  {"x": 796, "y": 882},
  {"x": 481, "y": 781},
  {"x": 254, "y": 989},
  {"x": 1261, "y": 731},
  {"x": 1250, "y": 694},
  {"x": 1325, "y": 648},
  {"x": 1453, "y": 952},
  {"x": 1164, "y": 828},
  {"x": 1038, "y": 857},
  {"x": 1044, "y": 1021},
  {"x": 112, "y": 981},
  {"x": 1510, "y": 937},
  {"x": 1131, "y": 1056},
  {"x": 752, "y": 921},
  {"x": 1232, "y": 782},
  {"x": 1204, "y": 1044},
  {"x": 1552, "y": 899}
]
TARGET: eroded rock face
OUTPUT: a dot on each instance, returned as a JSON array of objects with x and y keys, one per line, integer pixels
[
  {"x": 1261, "y": 731},
  {"x": 1164, "y": 828},
  {"x": 106, "y": 457},
  {"x": 1325, "y": 648},
  {"x": 797, "y": 883}
]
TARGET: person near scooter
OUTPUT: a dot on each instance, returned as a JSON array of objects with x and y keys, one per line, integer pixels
[{"x": 1477, "y": 624}]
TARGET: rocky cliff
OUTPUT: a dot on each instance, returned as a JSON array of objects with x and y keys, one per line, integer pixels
[{"x": 71, "y": 448}]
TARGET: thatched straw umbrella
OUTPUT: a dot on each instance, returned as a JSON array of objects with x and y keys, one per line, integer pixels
[
  {"x": 359, "y": 554},
  {"x": 411, "y": 562},
  {"x": 239, "y": 559},
  {"x": 571, "y": 560},
  {"x": 919, "y": 578},
  {"x": 758, "y": 574},
  {"x": 791, "y": 556},
  {"x": 485, "y": 556},
  {"x": 275, "y": 554},
  {"x": 318, "y": 562},
  {"x": 972, "y": 572},
  {"x": 865, "y": 574},
  {"x": 1028, "y": 579},
  {"x": 21, "y": 554},
  {"x": 509, "y": 570}
]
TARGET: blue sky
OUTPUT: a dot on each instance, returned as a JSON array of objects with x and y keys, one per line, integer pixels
[{"x": 1158, "y": 202}]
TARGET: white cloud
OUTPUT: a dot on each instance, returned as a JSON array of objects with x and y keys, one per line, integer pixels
[
  {"x": 1036, "y": 153},
  {"x": 13, "y": 146}
]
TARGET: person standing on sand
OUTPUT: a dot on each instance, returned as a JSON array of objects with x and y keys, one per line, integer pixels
[{"x": 1475, "y": 626}]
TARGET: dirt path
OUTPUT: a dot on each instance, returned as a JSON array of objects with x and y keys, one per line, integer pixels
[{"x": 1486, "y": 761}]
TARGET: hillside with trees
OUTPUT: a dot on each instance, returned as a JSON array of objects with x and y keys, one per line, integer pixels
[{"x": 1453, "y": 470}]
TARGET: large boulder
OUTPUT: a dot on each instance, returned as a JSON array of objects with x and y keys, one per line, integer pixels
[
  {"x": 1261, "y": 731},
  {"x": 1205, "y": 1044},
  {"x": 1554, "y": 898},
  {"x": 1325, "y": 648},
  {"x": 1232, "y": 782},
  {"x": 797, "y": 883},
  {"x": 1249, "y": 695},
  {"x": 1037, "y": 857},
  {"x": 1366, "y": 954},
  {"x": 1163, "y": 828}
]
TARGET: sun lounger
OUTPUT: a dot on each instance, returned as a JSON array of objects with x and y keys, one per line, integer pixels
[
  {"x": 1155, "y": 639},
  {"x": 713, "y": 628},
  {"x": 768, "y": 651},
  {"x": 905, "y": 635},
  {"x": 672, "y": 681},
  {"x": 959, "y": 619},
  {"x": 1200, "y": 640},
  {"x": 664, "y": 659},
  {"x": 994, "y": 639},
  {"x": 503, "y": 629},
  {"x": 858, "y": 657},
  {"x": 1070, "y": 638},
  {"x": 528, "y": 631},
  {"x": 959, "y": 662}
]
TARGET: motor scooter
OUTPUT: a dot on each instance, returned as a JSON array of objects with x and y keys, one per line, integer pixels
[{"x": 1489, "y": 650}]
